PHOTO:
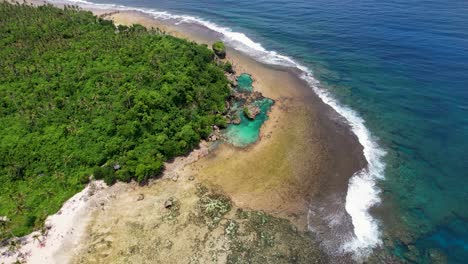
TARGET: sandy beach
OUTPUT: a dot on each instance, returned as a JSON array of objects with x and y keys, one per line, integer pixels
[
  {"x": 62, "y": 231},
  {"x": 303, "y": 159}
]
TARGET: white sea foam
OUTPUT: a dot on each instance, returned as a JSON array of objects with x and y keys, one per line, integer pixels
[{"x": 362, "y": 190}]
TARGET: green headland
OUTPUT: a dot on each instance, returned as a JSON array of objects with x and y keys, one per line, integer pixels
[{"x": 79, "y": 95}]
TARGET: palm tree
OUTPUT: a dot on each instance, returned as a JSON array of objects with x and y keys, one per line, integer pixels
[
  {"x": 15, "y": 245},
  {"x": 4, "y": 223},
  {"x": 20, "y": 206},
  {"x": 37, "y": 237},
  {"x": 48, "y": 193}
]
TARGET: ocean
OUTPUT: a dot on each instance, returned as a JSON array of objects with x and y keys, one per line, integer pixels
[{"x": 398, "y": 72}]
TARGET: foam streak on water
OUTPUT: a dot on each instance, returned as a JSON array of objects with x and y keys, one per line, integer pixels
[{"x": 362, "y": 190}]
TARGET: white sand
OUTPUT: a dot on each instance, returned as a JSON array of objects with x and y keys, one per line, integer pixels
[{"x": 64, "y": 230}]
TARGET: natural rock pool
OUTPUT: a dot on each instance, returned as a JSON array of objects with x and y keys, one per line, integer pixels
[
  {"x": 248, "y": 130},
  {"x": 244, "y": 83}
]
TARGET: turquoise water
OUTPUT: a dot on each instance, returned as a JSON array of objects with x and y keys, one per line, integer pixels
[
  {"x": 244, "y": 82},
  {"x": 403, "y": 67},
  {"x": 248, "y": 131}
]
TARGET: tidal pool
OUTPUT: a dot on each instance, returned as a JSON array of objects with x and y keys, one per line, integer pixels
[
  {"x": 244, "y": 83},
  {"x": 248, "y": 131}
]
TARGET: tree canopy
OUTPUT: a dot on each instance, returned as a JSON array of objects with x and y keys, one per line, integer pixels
[{"x": 79, "y": 95}]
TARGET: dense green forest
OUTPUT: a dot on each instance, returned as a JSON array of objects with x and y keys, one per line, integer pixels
[{"x": 79, "y": 95}]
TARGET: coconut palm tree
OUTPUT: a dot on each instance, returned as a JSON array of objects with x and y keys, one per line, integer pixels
[{"x": 37, "y": 237}]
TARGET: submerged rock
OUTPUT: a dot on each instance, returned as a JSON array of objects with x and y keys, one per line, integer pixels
[
  {"x": 436, "y": 256},
  {"x": 246, "y": 130},
  {"x": 255, "y": 96}
]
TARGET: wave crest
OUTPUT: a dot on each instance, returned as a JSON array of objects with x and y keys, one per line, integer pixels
[{"x": 362, "y": 190}]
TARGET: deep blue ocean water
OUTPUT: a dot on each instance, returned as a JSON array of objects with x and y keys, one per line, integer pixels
[{"x": 403, "y": 67}]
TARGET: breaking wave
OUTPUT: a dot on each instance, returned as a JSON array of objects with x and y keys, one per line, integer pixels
[{"x": 362, "y": 190}]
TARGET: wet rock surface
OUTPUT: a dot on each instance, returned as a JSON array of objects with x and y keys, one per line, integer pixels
[
  {"x": 251, "y": 111},
  {"x": 196, "y": 224}
]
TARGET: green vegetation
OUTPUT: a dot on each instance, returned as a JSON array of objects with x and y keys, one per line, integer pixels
[
  {"x": 227, "y": 66},
  {"x": 246, "y": 112},
  {"x": 219, "y": 49},
  {"x": 79, "y": 96}
]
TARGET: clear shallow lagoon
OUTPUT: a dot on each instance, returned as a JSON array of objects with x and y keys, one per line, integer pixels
[
  {"x": 403, "y": 66},
  {"x": 248, "y": 131}
]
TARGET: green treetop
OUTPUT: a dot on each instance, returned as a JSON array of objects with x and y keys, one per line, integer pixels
[{"x": 79, "y": 95}]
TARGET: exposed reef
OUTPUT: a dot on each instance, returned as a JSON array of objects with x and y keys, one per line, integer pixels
[{"x": 186, "y": 222}]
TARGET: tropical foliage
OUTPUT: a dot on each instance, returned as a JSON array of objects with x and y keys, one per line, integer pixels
[{"x": 79, "y": 95}]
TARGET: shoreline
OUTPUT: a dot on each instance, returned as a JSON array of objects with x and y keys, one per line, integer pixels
[
  {"x": 285, "y": 196},
  {"x": 62, "y": 230},
  {"x": 299, "y": 124}
]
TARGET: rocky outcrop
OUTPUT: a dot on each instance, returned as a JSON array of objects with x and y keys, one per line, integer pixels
[
  {"x": 234, "y": 119},
  {"x": 213, "y": 137},
  {"x": 251, "y": 111},
  {"x": 140, "y": 197},
  {"x": 232, "y": 80},
  {"x": 219, "y": 49},
  {"x": 169, "y": 203}
]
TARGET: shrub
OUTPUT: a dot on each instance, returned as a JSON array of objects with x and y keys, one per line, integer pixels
[{"x": 219, "y": 49}]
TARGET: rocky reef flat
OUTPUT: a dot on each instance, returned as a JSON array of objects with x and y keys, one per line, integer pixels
[
  {"x": 185, "y": 222},
  {"x": 222, "y": 203}
]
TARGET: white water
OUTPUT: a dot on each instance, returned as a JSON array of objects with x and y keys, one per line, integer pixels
[{"x": 362, "y": 190}]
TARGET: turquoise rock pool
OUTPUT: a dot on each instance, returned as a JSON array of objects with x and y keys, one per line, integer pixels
[
  {"x": 244, "y": 83},
  {"x": 248, "y": 131}
]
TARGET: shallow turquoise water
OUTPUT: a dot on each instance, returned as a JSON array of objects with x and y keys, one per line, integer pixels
[
  {"x": 244, "y": 82},
  {"x": 248, "y": 131},
  {"x": 403, "y": 66}
]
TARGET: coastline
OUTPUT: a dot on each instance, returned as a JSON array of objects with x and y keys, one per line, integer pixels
[
  {"x": 293, "y": 165},
  {"x": 62, "y": 231},
  {"x": 307, "y": 136},
  {"x": 65, "y": 231}
]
